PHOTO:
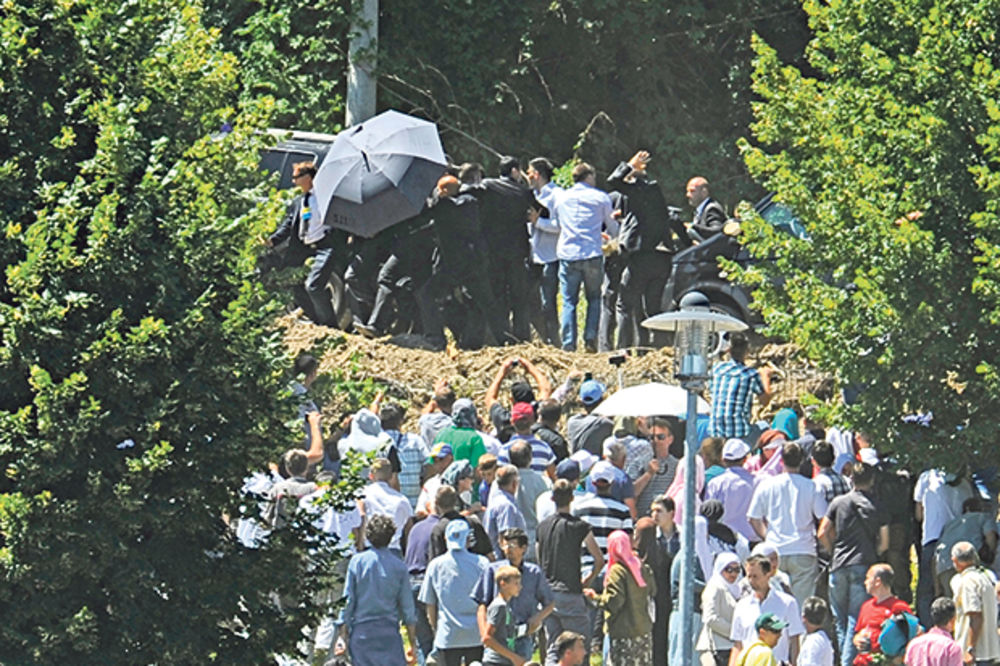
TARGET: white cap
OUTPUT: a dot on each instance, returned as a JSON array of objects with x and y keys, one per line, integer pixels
[
  {"x": 735, "y": 449},
  {"x": 602, "y": 471},
  {"x": 869, "y": 456},
  {"x": 585, "y": 459}
]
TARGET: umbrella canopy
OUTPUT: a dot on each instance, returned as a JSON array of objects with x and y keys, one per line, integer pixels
[
  {"x": 653, "y": 399},
  {"x": 379, "y": 173}
]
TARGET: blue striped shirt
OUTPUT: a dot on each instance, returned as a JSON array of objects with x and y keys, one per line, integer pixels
[
  {"x": 733, "y": 388},
  {"x": 541, "y": 453}
]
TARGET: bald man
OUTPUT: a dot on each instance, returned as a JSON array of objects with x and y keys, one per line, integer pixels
[
  {"x": 461, "y": 257},
  {"x": 709, "y": 216}
]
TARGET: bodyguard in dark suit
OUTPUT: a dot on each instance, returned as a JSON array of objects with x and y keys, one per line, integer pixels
[
  {"x": 709, "y": 216},
  {"x": 503, "y": 210},
  {"x": 307, "y": 236},
  {"x": 459, "y": 264},
  {"x": 647, "y": 224}
]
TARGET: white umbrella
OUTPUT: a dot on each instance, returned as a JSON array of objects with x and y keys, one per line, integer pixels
[
  {"x": 653, "y": 399},
  {"x": 379, "y": 173}
]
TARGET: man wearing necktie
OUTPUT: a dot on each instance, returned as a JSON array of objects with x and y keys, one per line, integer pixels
[{"x": 308, "y": 236}]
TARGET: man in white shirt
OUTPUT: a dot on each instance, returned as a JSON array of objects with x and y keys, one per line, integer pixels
[
  {"x": 380, "y": 498},
  {"x": 584, "y": 215},
  {"x": 765, "y": 599},
  {"x": 544, "y": 233},
  {"x": 783, "y": 512},
  {"x": 975, "y": 606}
]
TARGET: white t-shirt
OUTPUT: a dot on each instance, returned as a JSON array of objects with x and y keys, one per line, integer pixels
[
  {"x": 380, "y": 499},
  {"x": 789, "y": 503},
  {"x": 941, "y": 501},
  {"x": 816, "y": 650},
  {"x": 749, "y": 608}
]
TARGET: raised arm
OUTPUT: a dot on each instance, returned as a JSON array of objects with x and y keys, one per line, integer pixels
[{"x": 544, "y": 385}]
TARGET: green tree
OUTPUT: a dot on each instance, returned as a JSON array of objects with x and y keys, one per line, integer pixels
[
  {"x": 142, "y": 376},
  {"x": 889, "y": 156}
]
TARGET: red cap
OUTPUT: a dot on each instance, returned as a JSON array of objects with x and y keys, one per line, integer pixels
[{"x": 521, "y": 411}]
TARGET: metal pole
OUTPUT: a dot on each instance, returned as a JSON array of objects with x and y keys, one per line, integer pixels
[
  {"x": 687, "y": 531},
  {"x": 361, "y": 59}
]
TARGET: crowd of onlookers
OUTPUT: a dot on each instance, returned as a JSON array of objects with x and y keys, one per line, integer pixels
[
  {"x": 538, "y": 529},
  {"x": 503, "y": 255}
]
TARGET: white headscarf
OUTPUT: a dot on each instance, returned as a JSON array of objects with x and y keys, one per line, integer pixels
[{"x": 723, "y": 560}]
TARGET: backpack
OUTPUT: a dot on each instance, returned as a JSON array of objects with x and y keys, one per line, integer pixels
[{"x": 897, "y": 631}]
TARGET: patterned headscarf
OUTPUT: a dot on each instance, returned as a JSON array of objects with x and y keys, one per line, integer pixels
[
  {"x": 455, "y": 472},
  {"x": 620, "y": 552},
  {"x": 463, "y": 414}
]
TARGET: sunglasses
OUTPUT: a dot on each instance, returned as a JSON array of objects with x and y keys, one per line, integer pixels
[
  {"x": 661, "y": 435},
  {"x": 296, "y": 177},
  {"x": 733, "y": 568}
]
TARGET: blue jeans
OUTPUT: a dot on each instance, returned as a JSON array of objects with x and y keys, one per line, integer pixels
[
  {"x": 847, "y": 593},
  {"x": 589, "y": 273}
]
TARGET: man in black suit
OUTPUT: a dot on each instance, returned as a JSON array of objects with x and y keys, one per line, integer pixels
[
  {"x": 647, "y": 224},
  {"x": 460, "y": 262},
  {"x": 503, "y": 207},
  {"x": 309, "y": 236},
  {"x": 709, "y": 216}
]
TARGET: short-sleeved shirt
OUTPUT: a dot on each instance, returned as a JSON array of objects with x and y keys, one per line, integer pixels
[
  {"x": 936, "y": 647},
  {"x": 659, "y": 483},
  {"x": 749, "y": 608},
  {"x": 874, "y": 613},
  {"x": 381, "y": 499},
  {"x": 502, "y": 513},
  {"x": 535, "y": 590},
  {"x": 831, "y": 484},
  {"x": 816, "y": 649},
  {"x": 418, "y": 545},
  {"x": 466, "y": 444},
  {"x": 431, "y": 424},
  {"x": 942, "y": 501},
  {"x": 448, "y": 584},
  {"x": 555, "y": 441},
  {"x": 541, "y": 453},
  {"x": 622, "y": 487},
  {"x": 971, "y": 527},
  {"x": 604, "y": 515},
  {"x": 789, "y": 503},
  {"x": 757, "y": 653},
  {"x": 975, "y": 593},
  {"x": 856, "y": 518},
  {"x": 412, "y": 452},
  {"x": 733, "y": 387},
  {"x": 734, "y": 488},
  {"x": 560, "y": 542},
  {"x": 499, "y": 615},
  {"x": 588, "y": 432}
]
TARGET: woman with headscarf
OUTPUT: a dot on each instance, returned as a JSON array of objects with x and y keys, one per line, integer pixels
[
  {"x": 461, "y": 435},
  {"x": 459, "y": 475},
  {"x": 765, "y": 463},
  {"x": 715, "y": 537},
  {"x": 718, "y": 601},
  {"x": 787, "y": 421},
  {"x": 628, "y": 586}
]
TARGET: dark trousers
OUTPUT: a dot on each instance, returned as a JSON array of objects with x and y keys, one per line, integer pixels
[
  {"x": 511, "y": 285},
  {"x": 456, "y": 656},
  {"x": 325, "y": 262},
  {"x": 478, "y": 289},
  {"x": 610, "y": 291},
  {"x": 291, "y": 257},
  {"x": 925, "y": 583},
  {"x": 398, "y": 278},
  {"x": 641, "y": 285}
]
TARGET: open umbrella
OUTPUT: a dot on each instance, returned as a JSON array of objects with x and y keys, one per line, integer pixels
[
  {"x": 653, "y": 399},
  {"x": 379, "y": 173}
]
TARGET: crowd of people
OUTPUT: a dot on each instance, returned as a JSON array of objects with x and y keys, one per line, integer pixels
[
  {"x": 494, "y": 253},
  {"x": 540, "y": 530}
]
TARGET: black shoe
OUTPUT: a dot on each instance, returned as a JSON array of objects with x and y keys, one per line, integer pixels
[
  {"x": 367, "y": 331},
  {"x": 590, "y": 347}
]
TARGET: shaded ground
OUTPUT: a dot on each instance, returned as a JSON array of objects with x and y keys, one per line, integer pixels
[{"x": 409, "y": 373}]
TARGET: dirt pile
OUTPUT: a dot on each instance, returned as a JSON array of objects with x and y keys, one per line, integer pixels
[{"x": 409, "y": 372}]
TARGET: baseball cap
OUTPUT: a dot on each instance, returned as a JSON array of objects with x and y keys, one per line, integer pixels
[
  {"x": 734, "y": 449},
  {"x": 585, "y": 459},
  {"x": 591, "y": 391},
  {"x": 440, "y": 450},
  {"x": 522, "y": 392},
  {"x": 602, "y": 471},
  {"x": 521, "y": 411},
  {"x": 456, "y": 535},
  {"x": 568, "y": 469},
  {"x": 769, "y": 621}
]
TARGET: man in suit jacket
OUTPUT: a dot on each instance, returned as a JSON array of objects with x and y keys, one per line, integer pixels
[
  {"x": 503, "y": 207},
  {"x": 709, "y": 216},
  {"x": 651, "y": 223},
  {"x": 310, "y": 236}
]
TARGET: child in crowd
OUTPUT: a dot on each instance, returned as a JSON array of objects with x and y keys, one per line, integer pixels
[
  {"x": 816, "y": 649},
  {"x": 501, "y": 631}
]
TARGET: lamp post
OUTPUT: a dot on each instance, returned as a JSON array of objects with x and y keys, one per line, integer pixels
[{"x": 693, "y": 326}]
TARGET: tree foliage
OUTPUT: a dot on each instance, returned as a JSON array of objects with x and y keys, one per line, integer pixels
[
  {"x": 142, "y": 375},
  {"x": 889, "y": 155}
]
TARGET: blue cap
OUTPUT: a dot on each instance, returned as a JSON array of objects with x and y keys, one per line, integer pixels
[
  {"x": 568, "y": 469},
  {"x": 456, "y": 535},
  {"x": 591, "y": 391}
]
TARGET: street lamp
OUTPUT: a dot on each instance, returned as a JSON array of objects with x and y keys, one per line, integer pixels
[{"x": 693, "y": 326}]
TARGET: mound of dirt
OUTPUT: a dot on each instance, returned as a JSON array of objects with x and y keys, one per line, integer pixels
[{"x": 408, "y": 372}]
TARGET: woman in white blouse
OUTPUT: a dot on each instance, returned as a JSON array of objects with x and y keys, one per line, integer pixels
[{"x": 718, "y": 600}]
